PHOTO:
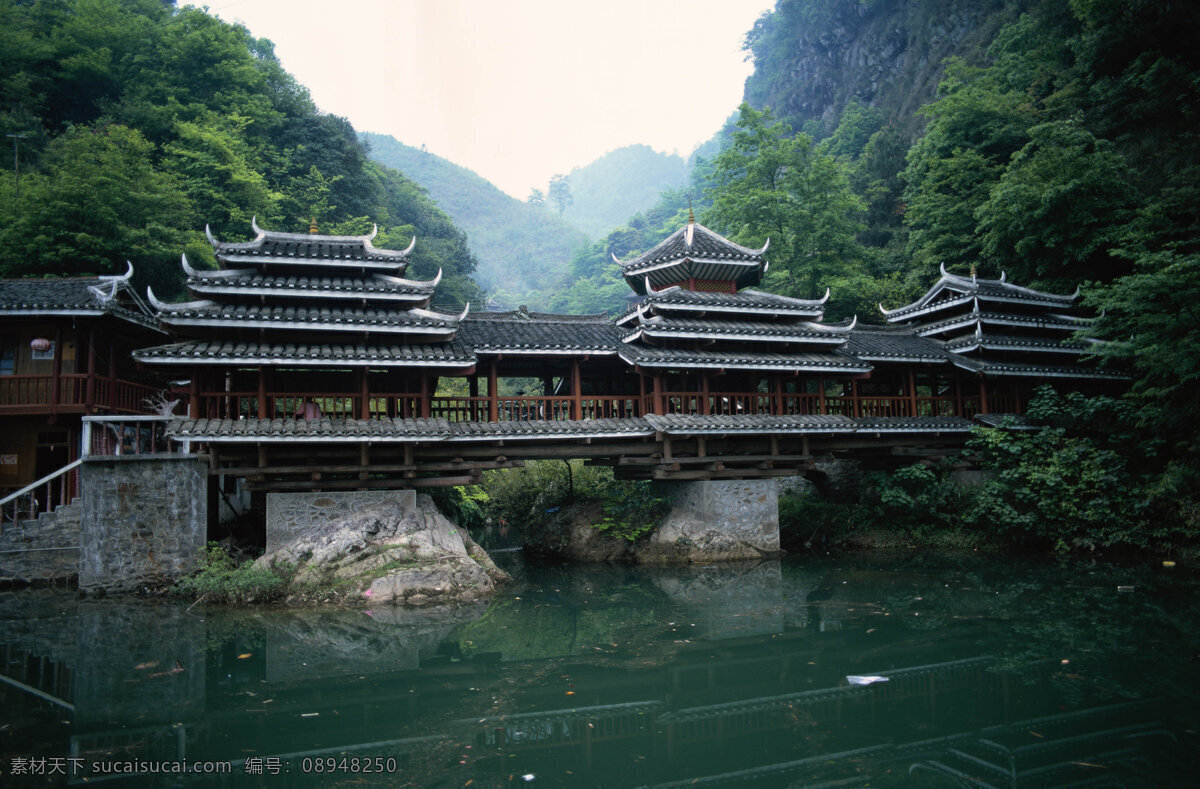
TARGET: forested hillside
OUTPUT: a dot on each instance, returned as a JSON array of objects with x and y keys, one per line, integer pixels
[
  {"x": 135, "y": 124},
  {"x": 606, "y": 192},
  {"x": 522, "y": 249}
]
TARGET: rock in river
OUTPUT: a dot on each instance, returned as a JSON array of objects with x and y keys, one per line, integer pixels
[{"x": 390, "y": 553}]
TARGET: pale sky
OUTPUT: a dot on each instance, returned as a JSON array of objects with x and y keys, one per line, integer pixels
[{"x": 516, "y": 90}]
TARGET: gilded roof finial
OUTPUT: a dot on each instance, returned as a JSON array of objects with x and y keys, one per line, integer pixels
[
  {"x": 691, "y": 216},
  {"x": 312, "y": 226},
  {"x": 972, "y": 271}
]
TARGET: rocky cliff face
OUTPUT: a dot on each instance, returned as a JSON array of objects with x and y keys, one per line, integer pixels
[{"x": 812, "y": 57}]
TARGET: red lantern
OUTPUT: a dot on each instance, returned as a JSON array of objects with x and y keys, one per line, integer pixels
[{"x": 40, "y": 344}]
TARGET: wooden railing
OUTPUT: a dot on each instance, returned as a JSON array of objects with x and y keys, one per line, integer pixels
[
  {"x": 69, "y": 393},
  {"x": 315, "y": 405},
  {"x": 526, "y": 408}
]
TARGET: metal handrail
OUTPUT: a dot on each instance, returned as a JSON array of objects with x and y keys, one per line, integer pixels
[
  {"x": 33, "y": 486},
  {"x": 48, "y": 478}
]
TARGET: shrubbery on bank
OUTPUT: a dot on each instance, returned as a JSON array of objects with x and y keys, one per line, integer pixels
[
  {"x": 525, "y": 497},
  {"x": 1068, "y": 485}
]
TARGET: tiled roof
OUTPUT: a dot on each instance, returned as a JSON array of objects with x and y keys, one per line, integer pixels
[
  {"x": 913, "y": 424},
  {"x": 694, "y": 251},
  {"x": 693, "y": 424},
  {"x": 324, "y": 318},
  {"x": 399, "y": 430},
  {"x": 1007, "y": 421},
  {"x": 522, "y": 332},
  {"x": 67, "y": 296},
  {"x": 550, "y": 429},
  {"x": 832, "y": 361},
  {"x": 744, "y": 302},
  {"x": 692, "y": 241},
  {"x": 757, "y": 331},
  {"x": 269, "y": 246},
  {"x": 308, "y": 430},
  {"x": 963, "y": 290},
  {"x": 994, "y": 369},
  {"x": 1001, "y": 342},
  {"x": 1048, "y": 321},
  {"x": 886, "y": 344},
  {"x": 448, "y": 354},
  {"x": 256, "y": 284}
]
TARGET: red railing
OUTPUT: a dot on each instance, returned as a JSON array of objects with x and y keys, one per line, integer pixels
[
  {"x": 307, "y": 405},
  {"x": 69, "y": 393}
]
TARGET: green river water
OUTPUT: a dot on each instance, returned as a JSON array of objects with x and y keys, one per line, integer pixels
[{"x": 999, "y": 672}]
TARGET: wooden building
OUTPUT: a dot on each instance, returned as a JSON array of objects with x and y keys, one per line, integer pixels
[{"x": 65, "y": 348}]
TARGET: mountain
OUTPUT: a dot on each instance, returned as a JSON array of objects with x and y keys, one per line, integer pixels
[
  {"x": 812, "y": 58},
  {"x": 620, "y": 183},
  {"x": 521, "y": 249}
]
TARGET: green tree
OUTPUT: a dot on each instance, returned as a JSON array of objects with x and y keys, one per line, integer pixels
[
  {"x": 1059, "y": 209},
  {"x": 97, "y": 202},
  {"x": 771, "y": 183},
  {"x": 560, "y": 193}
]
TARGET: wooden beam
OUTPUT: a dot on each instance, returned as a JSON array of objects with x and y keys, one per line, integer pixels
[{"x": 357, "y": 484}]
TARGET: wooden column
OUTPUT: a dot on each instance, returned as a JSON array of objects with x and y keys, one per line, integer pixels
[
  {"x": 912, "y": 393},
  {"x": 493, "y": 383},
  {"x": 111, "y": 400},
  {"x": 1017, "y": 399},
  {"x": 821, "y": 395},
  {"x": 426, "y": 404},
  {"x": 577, "y": 388},
  {"x": 263, "y": 412},
  {"x": 659, "y": 404},
  {"x": 641, "y": 393},
  {"x": 854, "y": 397},
  {"x": 56, "y": 381},
  {"x": 778, "y": 397},
  {"x": 89, "y": 396},
  {"x": 705, "y": 406},
  {"x": 473, "y": 392}
]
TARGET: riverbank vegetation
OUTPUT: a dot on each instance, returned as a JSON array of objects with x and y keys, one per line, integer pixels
[
  {"x": 526, "y": 497},
  {"x": 1066, "y": 484}
]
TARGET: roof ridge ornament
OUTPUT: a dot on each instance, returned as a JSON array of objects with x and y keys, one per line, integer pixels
[
  {"x": 259, "y": 233},
  {"x": 211, "y": 238},
  {"x": 114, "y": 281},
  {"x": 825, "y": 298},
  {"x": 416, "y": 283},
  {"x": 163, "y": 306}
]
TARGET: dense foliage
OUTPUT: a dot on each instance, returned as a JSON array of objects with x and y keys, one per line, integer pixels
[{"x": 135, "y": 124}]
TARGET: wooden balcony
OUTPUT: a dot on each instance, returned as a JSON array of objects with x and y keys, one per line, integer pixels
[{"x": 73, "y": 393}]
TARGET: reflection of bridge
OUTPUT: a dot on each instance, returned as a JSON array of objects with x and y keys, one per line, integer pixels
[{"x": 757, "y": 709}]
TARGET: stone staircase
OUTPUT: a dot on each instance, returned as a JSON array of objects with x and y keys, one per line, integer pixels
[{"x": 44, "y": 549}]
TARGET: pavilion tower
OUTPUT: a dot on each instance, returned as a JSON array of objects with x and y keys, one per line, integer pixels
[
  {"x": 289, "y": 317},
  {"x": 701, "y": 327}
]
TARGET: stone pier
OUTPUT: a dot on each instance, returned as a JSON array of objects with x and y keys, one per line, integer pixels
[
  {"x": 718, "y": 520},
  {"x": 144, "y": 520}
]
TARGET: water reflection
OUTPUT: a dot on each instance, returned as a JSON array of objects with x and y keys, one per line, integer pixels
[{"x": 1014, "y": 674}]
